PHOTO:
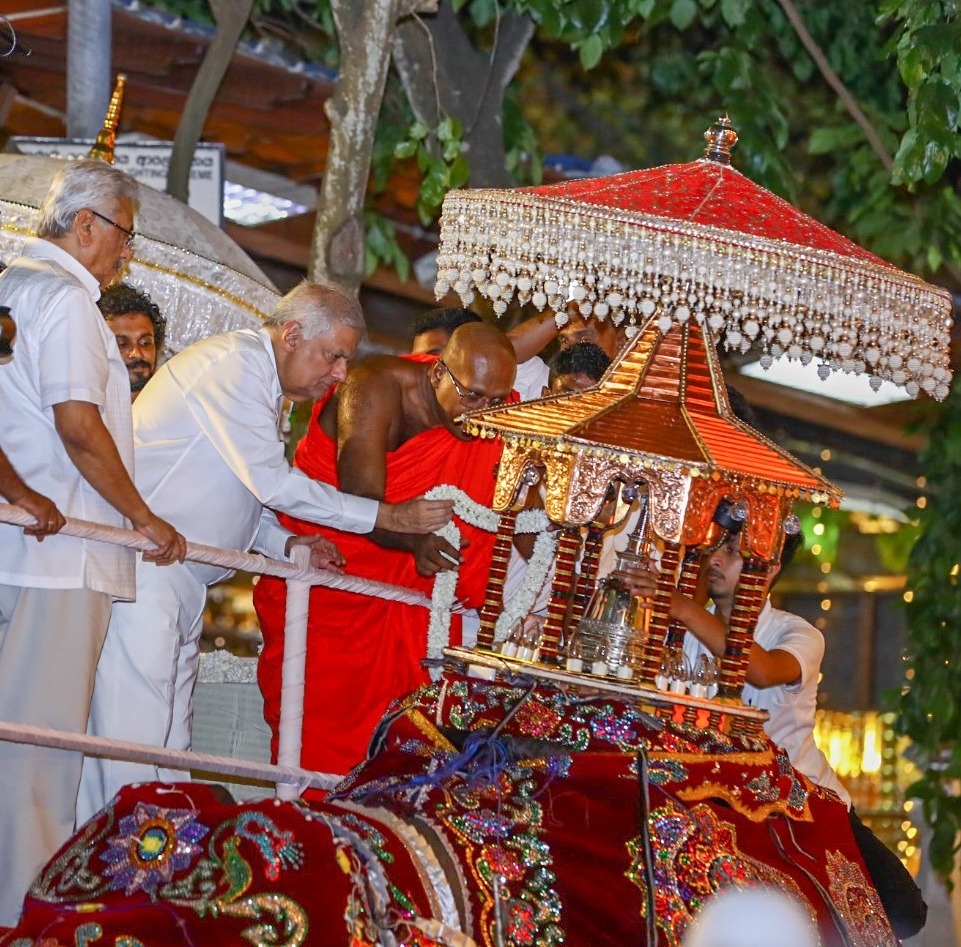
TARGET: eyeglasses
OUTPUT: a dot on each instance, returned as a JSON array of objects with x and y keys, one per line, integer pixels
[
  {"x": 130, "y": 234},
  {"x": 470, "y": 398}
]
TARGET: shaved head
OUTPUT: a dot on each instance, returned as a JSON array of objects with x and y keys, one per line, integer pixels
[
  {"x": 480, "y": 347},
  {"x": 475, "y": 369}
]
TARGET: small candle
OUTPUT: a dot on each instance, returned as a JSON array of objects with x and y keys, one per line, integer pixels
[
  {"x": 575, "y": 664},
  {"x": 599, "y": 668},
  {"x": 698, "y": 690},
  {"x": 678, "y": 687},
  {"x": 524, "y": 653},
  {"x": 509, "y": 650},
  {"x": 661, "y": 682},
  {"x": 625, "y": 672}
]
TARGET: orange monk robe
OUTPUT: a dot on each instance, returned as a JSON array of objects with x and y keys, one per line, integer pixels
[{"x": 363, "y": 652}]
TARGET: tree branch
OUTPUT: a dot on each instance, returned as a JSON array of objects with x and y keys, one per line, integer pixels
[
  {"x": 231, "y": 18},
  {"x": 834, "y": 81},
  {"x": 444, "y": 74},
  {"x": 850, "y": 103}
]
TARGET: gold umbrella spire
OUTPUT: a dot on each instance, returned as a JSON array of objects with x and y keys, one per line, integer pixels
[{"x": 103, "y": 147}]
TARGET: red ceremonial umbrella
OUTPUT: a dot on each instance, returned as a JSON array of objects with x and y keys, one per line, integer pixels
[{"x": 700, "y": 241}]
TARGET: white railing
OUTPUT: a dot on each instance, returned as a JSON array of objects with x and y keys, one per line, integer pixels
[{"x": 287, "y": 775}]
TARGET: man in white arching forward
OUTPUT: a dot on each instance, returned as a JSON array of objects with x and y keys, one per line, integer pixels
[{"x": 209, "y": 455}]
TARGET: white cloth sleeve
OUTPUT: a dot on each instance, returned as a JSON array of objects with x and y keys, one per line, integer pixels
[
  {"x": 271, "y": 538},
  {"x": 233, "y": 412},
  {"x": 802, "y": 640},
  {"x": 74, "y": 365}
]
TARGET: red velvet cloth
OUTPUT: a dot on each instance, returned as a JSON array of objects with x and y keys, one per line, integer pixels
[
  {"x": 364, "y": 652},
  {"x": 540, "y": 842}
]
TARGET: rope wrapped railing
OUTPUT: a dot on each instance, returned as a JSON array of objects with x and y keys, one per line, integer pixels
[
  {"x": 227, "y": 558},
  {"x": 289, "y": 778}
]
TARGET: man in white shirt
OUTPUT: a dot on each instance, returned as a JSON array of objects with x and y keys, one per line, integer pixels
[
  {"x": 65, "y": 403},
  {"x": 209, "y": 452},
  {"x": 783, "y": 669}
]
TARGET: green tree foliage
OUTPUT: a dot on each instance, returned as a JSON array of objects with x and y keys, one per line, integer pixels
[
  {"x": 650, "y": 75},
  {"x": 928, "y": 708}
]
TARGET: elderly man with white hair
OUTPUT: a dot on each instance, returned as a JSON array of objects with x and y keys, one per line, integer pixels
[
  {"x": 209, "y": 454},
  {"x": 65, "y": 403}
]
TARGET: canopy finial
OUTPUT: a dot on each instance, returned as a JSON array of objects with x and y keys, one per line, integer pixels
[
  {"x": 103, "y": 147},
  {"x": 721, "y": 139}
]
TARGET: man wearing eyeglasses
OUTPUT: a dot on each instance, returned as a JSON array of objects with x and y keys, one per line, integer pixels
[
  {"x": 391, "y": 430},
  {"x": 65, "y": 401}
]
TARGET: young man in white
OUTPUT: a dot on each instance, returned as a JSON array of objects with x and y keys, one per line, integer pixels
[{"x": 782, "y": 678}]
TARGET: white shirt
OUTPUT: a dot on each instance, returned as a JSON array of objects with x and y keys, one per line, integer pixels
[
  {"x": 210, "y": 457},
  {"x": 791, "y": 707},
  {"x": 64, "y": 351},
  {"x": 531, "y": 378}
]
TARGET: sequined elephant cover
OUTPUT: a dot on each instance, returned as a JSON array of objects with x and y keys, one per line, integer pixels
[{"x": 489, "y": 814}]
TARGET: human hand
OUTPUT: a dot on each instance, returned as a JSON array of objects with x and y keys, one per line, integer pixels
[
  {"x": 641, "y": 580},
  {"x": 171, "y": 546},
  {"x": 49, "y": 519},
  {"x": 323, "y": 553},
  {"x": 433, "y": 554},
  {"x": 417, "y": 516}
]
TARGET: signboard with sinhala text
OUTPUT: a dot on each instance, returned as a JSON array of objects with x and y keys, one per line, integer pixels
[{"x": 147, "y": 161}]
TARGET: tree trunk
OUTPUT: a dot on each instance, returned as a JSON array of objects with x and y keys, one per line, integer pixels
[
  {"x": 365, "y": 33},
  {"x": 231, "y": 17},
  {"x": 439, "y": 67},
  {"x": 88, "y": 66}
]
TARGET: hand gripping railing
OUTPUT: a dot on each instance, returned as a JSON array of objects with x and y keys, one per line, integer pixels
[{"x": 289, "y": 778}]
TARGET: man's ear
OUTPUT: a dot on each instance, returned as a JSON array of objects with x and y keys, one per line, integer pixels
[
  {"x": 291, "y": 335},
  {"x": 545, "y": 391},
  {"x": 83, "y": 223},
  {"x": 434, "y": 374}
]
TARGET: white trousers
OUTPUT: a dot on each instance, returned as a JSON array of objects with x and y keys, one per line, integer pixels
[
  {"x": 49, "y": 643},
  {"x": 145, "y": 680}
]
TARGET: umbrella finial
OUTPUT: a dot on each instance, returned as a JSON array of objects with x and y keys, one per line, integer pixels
[
  {"x": 107, "y": 137},
  {"x": 721, "y": 139}
]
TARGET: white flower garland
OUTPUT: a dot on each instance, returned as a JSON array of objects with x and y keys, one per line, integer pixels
[
  {"x": 445, "y": 583},
  {"x": 538, "y": 566}
]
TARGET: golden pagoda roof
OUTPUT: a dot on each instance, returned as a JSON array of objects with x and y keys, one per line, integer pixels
[{"x": 662, "y": 403}]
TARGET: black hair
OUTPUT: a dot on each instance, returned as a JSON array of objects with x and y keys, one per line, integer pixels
[
  {"x": 792, "y": 543},
  {"x": 582, "y": 358},
  {"x": 732, "y": 526},
  {"x": 122, "y": 299},
  {"x": 740, "y": 406},
  {"x": 448, "y": 319}
]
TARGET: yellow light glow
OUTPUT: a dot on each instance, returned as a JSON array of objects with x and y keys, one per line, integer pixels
[
  {"x": 816, "y": 549},
  {"x": 825, "y": 567},
  {"x": 871, "y": 746},
  {"x": 816, "y": 512},
  {"x": 922, "y": 502},
  {"x": 825, "y": 454},
  {"x": 908, "y": 596},
  {"x": 818, "y": 529},
  {"x": 825, "y": 605}
]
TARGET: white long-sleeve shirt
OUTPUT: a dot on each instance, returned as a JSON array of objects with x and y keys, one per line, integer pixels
[
  {"x": 64, "y": 351},
  {"x": 210, "y": 456}
]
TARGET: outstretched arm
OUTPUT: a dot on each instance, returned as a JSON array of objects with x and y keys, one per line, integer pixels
[
  {"x": 531, "y": 335},
  {"x": 764, "y": 668}
]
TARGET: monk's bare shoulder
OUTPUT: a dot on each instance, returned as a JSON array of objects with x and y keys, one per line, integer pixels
[{"x": 373, "y": 399}]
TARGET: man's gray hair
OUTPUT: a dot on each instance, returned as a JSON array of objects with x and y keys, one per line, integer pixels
[
  {"x": 316, "y": 307},
  {"x": 90, "y": 184}
]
